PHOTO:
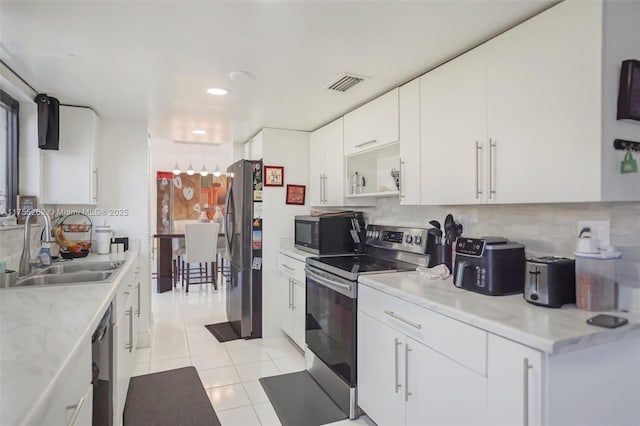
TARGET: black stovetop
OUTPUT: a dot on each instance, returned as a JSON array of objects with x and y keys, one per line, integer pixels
[{"x": 351, "y": 266}]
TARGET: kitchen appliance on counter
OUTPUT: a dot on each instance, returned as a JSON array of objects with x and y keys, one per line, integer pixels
[
  {"x": 550, "y": 281},
  {"x": 491, "y": 265},
  {"x": 243, "y": 238},
  {"x": 324, "y": 235},
  {"x": 332, "y": 294}
]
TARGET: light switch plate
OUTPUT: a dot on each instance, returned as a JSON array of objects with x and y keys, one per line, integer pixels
[{"x": 600, "y": 230}]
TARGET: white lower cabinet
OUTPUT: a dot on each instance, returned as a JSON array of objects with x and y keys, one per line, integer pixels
[
  {"x": 72, "y": 401},
  {"x": 292, "y": 298},
  {"x": 515, "y": 383},
  {"x": 412, "y": 365}
]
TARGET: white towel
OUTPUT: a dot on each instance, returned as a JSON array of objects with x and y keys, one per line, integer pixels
[{"x": 439, "y": 272}]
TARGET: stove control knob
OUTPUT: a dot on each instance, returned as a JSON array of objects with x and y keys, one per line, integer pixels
[
  {"x": 376, "y": 234},
  {"x": 417, "y": 239},
  {"x": 368, "y": 233},
  {"x": 408, "y": 239}
]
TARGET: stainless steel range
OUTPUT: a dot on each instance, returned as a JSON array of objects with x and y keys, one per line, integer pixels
[{"x": 332, "y": 297}]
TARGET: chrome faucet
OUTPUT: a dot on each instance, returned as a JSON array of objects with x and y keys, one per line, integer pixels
[{"x": 25, "y": 257}]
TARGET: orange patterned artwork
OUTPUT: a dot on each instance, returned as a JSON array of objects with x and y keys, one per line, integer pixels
[{"x": 196, "y": 193}]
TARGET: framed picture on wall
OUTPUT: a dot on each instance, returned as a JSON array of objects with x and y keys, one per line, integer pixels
[
  {"x": 273, "y": 176},
  {"x": 295, "y": 194}
]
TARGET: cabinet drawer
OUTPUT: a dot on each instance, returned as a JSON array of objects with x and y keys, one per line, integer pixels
[
  {"x": 291, "y": 267},
  {"x": 463, "y": 343}
]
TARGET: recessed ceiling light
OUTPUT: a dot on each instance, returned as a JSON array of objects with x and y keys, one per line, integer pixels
[
  {"x": 199, "y": 132},
  {"x": 217, "y": 91}
]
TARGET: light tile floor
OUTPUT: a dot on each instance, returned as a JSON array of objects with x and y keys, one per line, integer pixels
[{"x": 229, "y": 371}]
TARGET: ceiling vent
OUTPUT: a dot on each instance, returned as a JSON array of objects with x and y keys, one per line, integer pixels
[{"x": 345, "y": 82}]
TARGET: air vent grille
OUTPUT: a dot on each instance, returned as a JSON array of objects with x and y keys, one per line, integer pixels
[{"x": 345, "y": 82}]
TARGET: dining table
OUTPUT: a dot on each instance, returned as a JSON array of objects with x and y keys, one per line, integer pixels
[{"x": 164, "y": 269}]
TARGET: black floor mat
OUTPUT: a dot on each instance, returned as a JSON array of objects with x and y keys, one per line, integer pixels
[
  {"x": 223, "y": 331},
  {"x": 169, "y": 398},
  {"x": 299, "y": 400}
]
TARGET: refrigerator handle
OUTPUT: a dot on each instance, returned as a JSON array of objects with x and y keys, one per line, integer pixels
[{"x": 228, "y": 219}]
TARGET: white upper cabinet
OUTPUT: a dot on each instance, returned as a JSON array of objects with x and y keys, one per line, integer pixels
[
  {"x": 372, "y": 125},
  {"x": 253, "y": 148},
  {"x": 528, "y": 117},
  {"x": 70, "y": 174},
  {"x": 453, "y": 126},
  {"x": 326, "y": 165},
  {"x": 409, "y": 121}
]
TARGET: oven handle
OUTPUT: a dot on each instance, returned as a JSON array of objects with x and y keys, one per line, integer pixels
[{"x": 334, "y": 283}]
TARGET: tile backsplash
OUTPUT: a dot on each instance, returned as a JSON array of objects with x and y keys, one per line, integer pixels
[
  {"x": 11, "y": 239},
  {"x": 550, "y": 229}
]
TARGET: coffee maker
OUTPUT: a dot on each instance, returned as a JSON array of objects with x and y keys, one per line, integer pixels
[{"x": 491, "y": 265}]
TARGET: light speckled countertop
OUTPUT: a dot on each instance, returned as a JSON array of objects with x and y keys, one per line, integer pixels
[
  {"x": 546, "y": 329},
  {"x": 288, "y": 248},
  {"x": 41, "y": 330}
]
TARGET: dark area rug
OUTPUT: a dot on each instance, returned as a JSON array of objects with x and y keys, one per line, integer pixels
[
  {"x": 298, "y": 400},
  {"x": 169, "y": 398},
  {"x": 223, "y": 331}
]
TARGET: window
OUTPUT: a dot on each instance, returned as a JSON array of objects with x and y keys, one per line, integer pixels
[{"x": 8, "y": 153}]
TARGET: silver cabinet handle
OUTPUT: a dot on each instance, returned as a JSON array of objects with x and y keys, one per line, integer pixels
[
  {"x": 321, "y": 182},
  {"x": 95, "y": 193},
  {"x": 76, "y": 412},
  {"x": 138, "y": 311},
  {"x": 404, "y": 320},
  {"x": 478, "y": 192},
  {"x": 406, "y": 372},
  {"x": 288, "y": 267},
  {"x": 366, "y": 143},
  {"x": 129, "y": 345},
  {"x": 293, "y": 295},
  {"x": 492, "y": 147},
  {"x": 525, "y": 381},
  {"x": 324, "y": 188},
  {"x": 401, "y": 180},
  {"x": 398, "y": 385},
  {"x": 289, "y": 294}
]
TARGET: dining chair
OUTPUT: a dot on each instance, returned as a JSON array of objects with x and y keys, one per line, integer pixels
[
  {"x": 201, "y": 247},
  {"x": 178, "y": 248}
]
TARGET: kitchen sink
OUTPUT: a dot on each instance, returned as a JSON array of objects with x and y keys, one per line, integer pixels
[
  {"x": 64, "y": 279},
  {"x": 66, "y": 268}
]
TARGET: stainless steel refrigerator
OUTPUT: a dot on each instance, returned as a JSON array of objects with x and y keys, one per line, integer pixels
[{"x": 244, "y": 246}]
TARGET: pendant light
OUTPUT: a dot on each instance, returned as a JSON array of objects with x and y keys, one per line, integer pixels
[
  {"x": 217, "y": 171},
  {"x": 204, "y": 171},
  {"x": 190, "y": 170},
  {"x": 176, "y": 168}
]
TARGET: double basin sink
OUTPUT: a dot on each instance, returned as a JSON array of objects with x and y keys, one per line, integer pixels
[{"x": 71, "y": 273}]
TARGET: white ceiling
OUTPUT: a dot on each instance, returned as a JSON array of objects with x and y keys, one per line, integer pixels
[{"x": 155, "y": 59}]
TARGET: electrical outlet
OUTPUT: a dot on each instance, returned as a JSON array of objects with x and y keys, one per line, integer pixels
[{"x": 600, "y": 230}]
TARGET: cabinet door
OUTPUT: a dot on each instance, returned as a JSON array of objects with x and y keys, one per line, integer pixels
[
  {"x": 334, "y": 182},
  {"x": 286, "y": 314},
  {"x": 298, "y": 308},
  {"x": 544, "y": 107},
  {"x": 453, "y": 131},
  {"x": 514, "y": 383},
  {"x": 316, "y": 167},
  {"x": 441, "y": 391},
  {"x": 410, "y": 143},
  {"x": 69, "y": 175},
  {"x": 372, "y": 125},
  {"x": 380, "y": 371},
  {"x": 123, "y": 357}
]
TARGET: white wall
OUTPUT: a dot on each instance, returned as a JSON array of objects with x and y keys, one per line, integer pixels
[{"x": 290, "y": 149}]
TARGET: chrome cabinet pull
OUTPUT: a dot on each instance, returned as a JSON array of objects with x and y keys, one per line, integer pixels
[
  {"x": 321, "y": 182},
  {"x": 401, "y": 180},
  {"x": 492, "y": 147},
  {"x": 398, "y": 385},
  {"x": 290, "y": 294},
  {"x": 138, "y": 311},
  {"x": 366, "y": 143},
  {"x": 293, "y": 295},
  {"x": 324, "y": 189},
  {"x": 129, "y": 345},
  {"x": 76, "y": 412},
  {"x": 478, "y": 192},
  {"x": 525, "y": 409},
  {"x": 289, "y": 267},
  {"x": 406, "y": 372},
  {"x": 404, "y": 320},
  {"x": 95, "y": 192}
]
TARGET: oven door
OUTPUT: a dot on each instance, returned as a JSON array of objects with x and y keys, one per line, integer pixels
[
  {"x": 330, "y": 330},
  {"x": 307, "y": 234}
]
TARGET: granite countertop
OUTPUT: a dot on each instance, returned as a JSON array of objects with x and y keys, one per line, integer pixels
[
  {"x": 41, "y": 330},
  {"x": 288, "y": 249},
  {"x": 546, "y": 329}
]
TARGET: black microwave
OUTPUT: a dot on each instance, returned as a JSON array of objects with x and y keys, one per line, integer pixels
[{"x": 326, "y": 234}]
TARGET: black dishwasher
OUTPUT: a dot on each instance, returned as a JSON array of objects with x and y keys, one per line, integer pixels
[{"x": 102, "y": 371}]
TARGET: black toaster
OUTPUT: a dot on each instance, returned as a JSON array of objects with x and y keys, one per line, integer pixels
[{"x": 550, "y": 281}]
